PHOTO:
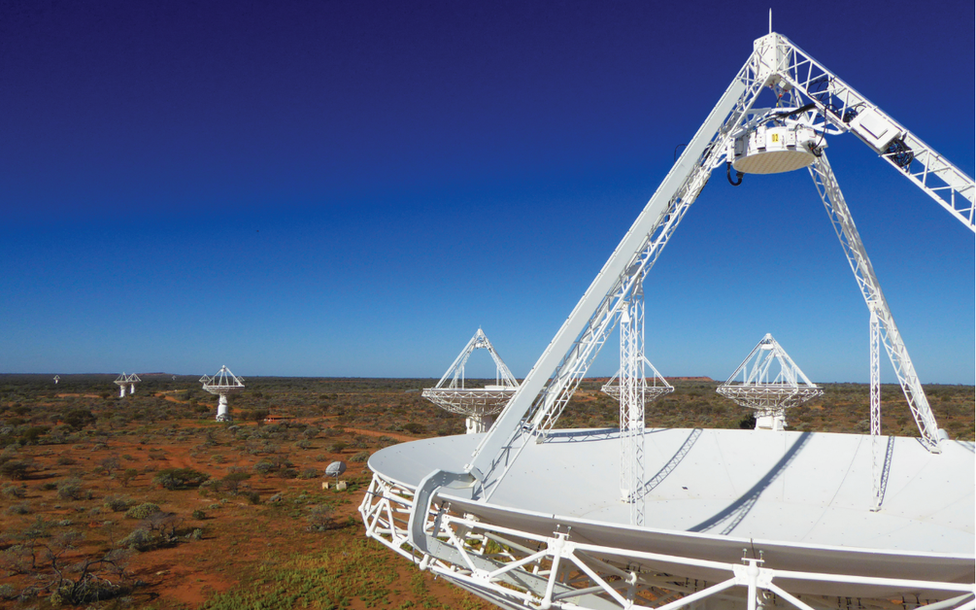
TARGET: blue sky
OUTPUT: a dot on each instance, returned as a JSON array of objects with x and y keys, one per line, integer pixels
[{"x": 353, "y": 188}]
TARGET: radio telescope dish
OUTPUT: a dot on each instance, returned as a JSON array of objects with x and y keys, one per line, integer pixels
[
  {"x": 122, "y": 381},
  {"x": 223, "y": 384},
  {"x": 57, "y": 378},
  {"x": 133, "y": 380},
  {"x": 525, "y": 515},
  {"x": 770, "y": 382},
  {"x": 127, "y": 380},
  {"x": 478, "y": 404},
  {"x": 335, "y": 469}
]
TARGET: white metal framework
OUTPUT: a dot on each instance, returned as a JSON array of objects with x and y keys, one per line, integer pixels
[
  {"x": 770, "y": 395},
  {"x": 631, "y": 388},
  {"x": 527, "y": 567},
  {"x": 447, "y": 522},
  {"x": 222, "y": 384},
  {"x": 477, "y": 404}
]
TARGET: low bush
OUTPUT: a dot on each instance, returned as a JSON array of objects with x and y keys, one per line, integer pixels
[
  {"x": 15, "y": 469},
  {"x": 415, "y": 428},
  {"x": 22, "y": 508},
  {"x": 14, "y": 491},
  {"x": 69, "y": 489},
  {"x": 179, "y": 478},
  {"x": 142, "y": 511},
  {"x": 321, "y": 518},
  {"x": 118, "y": 503}
]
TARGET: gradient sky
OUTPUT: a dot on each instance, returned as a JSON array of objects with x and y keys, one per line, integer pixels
[{"x": 353, "y": 188}]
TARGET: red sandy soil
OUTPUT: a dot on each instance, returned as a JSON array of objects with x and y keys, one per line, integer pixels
[{"x": 236, "y": 532}]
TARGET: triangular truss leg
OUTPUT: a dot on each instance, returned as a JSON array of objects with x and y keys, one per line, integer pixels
[{"x": 867, "y": 281}]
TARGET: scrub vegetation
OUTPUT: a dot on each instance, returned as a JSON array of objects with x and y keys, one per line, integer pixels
[{"x": 147, "y": 502}]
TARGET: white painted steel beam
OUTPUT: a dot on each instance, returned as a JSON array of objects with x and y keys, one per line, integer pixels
[{"x": 867, "y": 281}]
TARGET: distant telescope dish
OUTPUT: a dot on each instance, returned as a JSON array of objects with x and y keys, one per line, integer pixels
[
  {"x": 478, "y": 404},
  {"x": 770, "y": 382},
  {"x": 335, "y": 469},
  {"x": 57, "y": 378},
  {"x": 222, "y": 384},
  {"x": 126, "y": 380}
]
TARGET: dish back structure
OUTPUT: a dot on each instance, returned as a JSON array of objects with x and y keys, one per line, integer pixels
[{"x": 525, "y": 516}]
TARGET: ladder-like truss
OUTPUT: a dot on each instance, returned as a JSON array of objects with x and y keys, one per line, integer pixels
[{"x": 631, "y": 388}]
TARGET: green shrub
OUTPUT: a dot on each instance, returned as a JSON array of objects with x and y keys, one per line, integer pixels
[
  {"x": 232, "y": 481},
  {"x": 140, "y": 540},
  {"x": 22, "y": 508},
  {"x": 79, "y": 418},
  {"x": 142, "y": 511},
  {"x": 321, "y": 518},
  {"x": 7, "y": 591},
  {"x": 362, "y": 456},
  {"x": 179, "y": 478},
  {"x": 14, "y": 491},
  {"x": 118, "y": 503},
  {"x": 15, "y": 469},
  {"x": 70, "y": 488},
  {"x": 415, "y": 428}
]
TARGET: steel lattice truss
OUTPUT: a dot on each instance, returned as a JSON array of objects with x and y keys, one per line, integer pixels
[
  {"x": 518, "y": 568},
  {"x": 769, "y": 397},
  {"x": 848, "y": 110},
  {"x": 126, "y": 380},
  {"x": 538, "y": 568},
  {"x": 831, "y": 107}
]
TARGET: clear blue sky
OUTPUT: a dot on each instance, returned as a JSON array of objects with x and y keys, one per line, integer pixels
[{"x": 353, "y": 188}]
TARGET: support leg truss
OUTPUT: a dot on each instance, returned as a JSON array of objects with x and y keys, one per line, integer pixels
[
  {"x": 632, "y": 397},
  {"x": 867, "y": 281},
  {"x": 515, "y": 568}
]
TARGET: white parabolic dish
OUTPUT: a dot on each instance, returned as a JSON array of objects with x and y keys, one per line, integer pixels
[{"x": 803, "y": 499}]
